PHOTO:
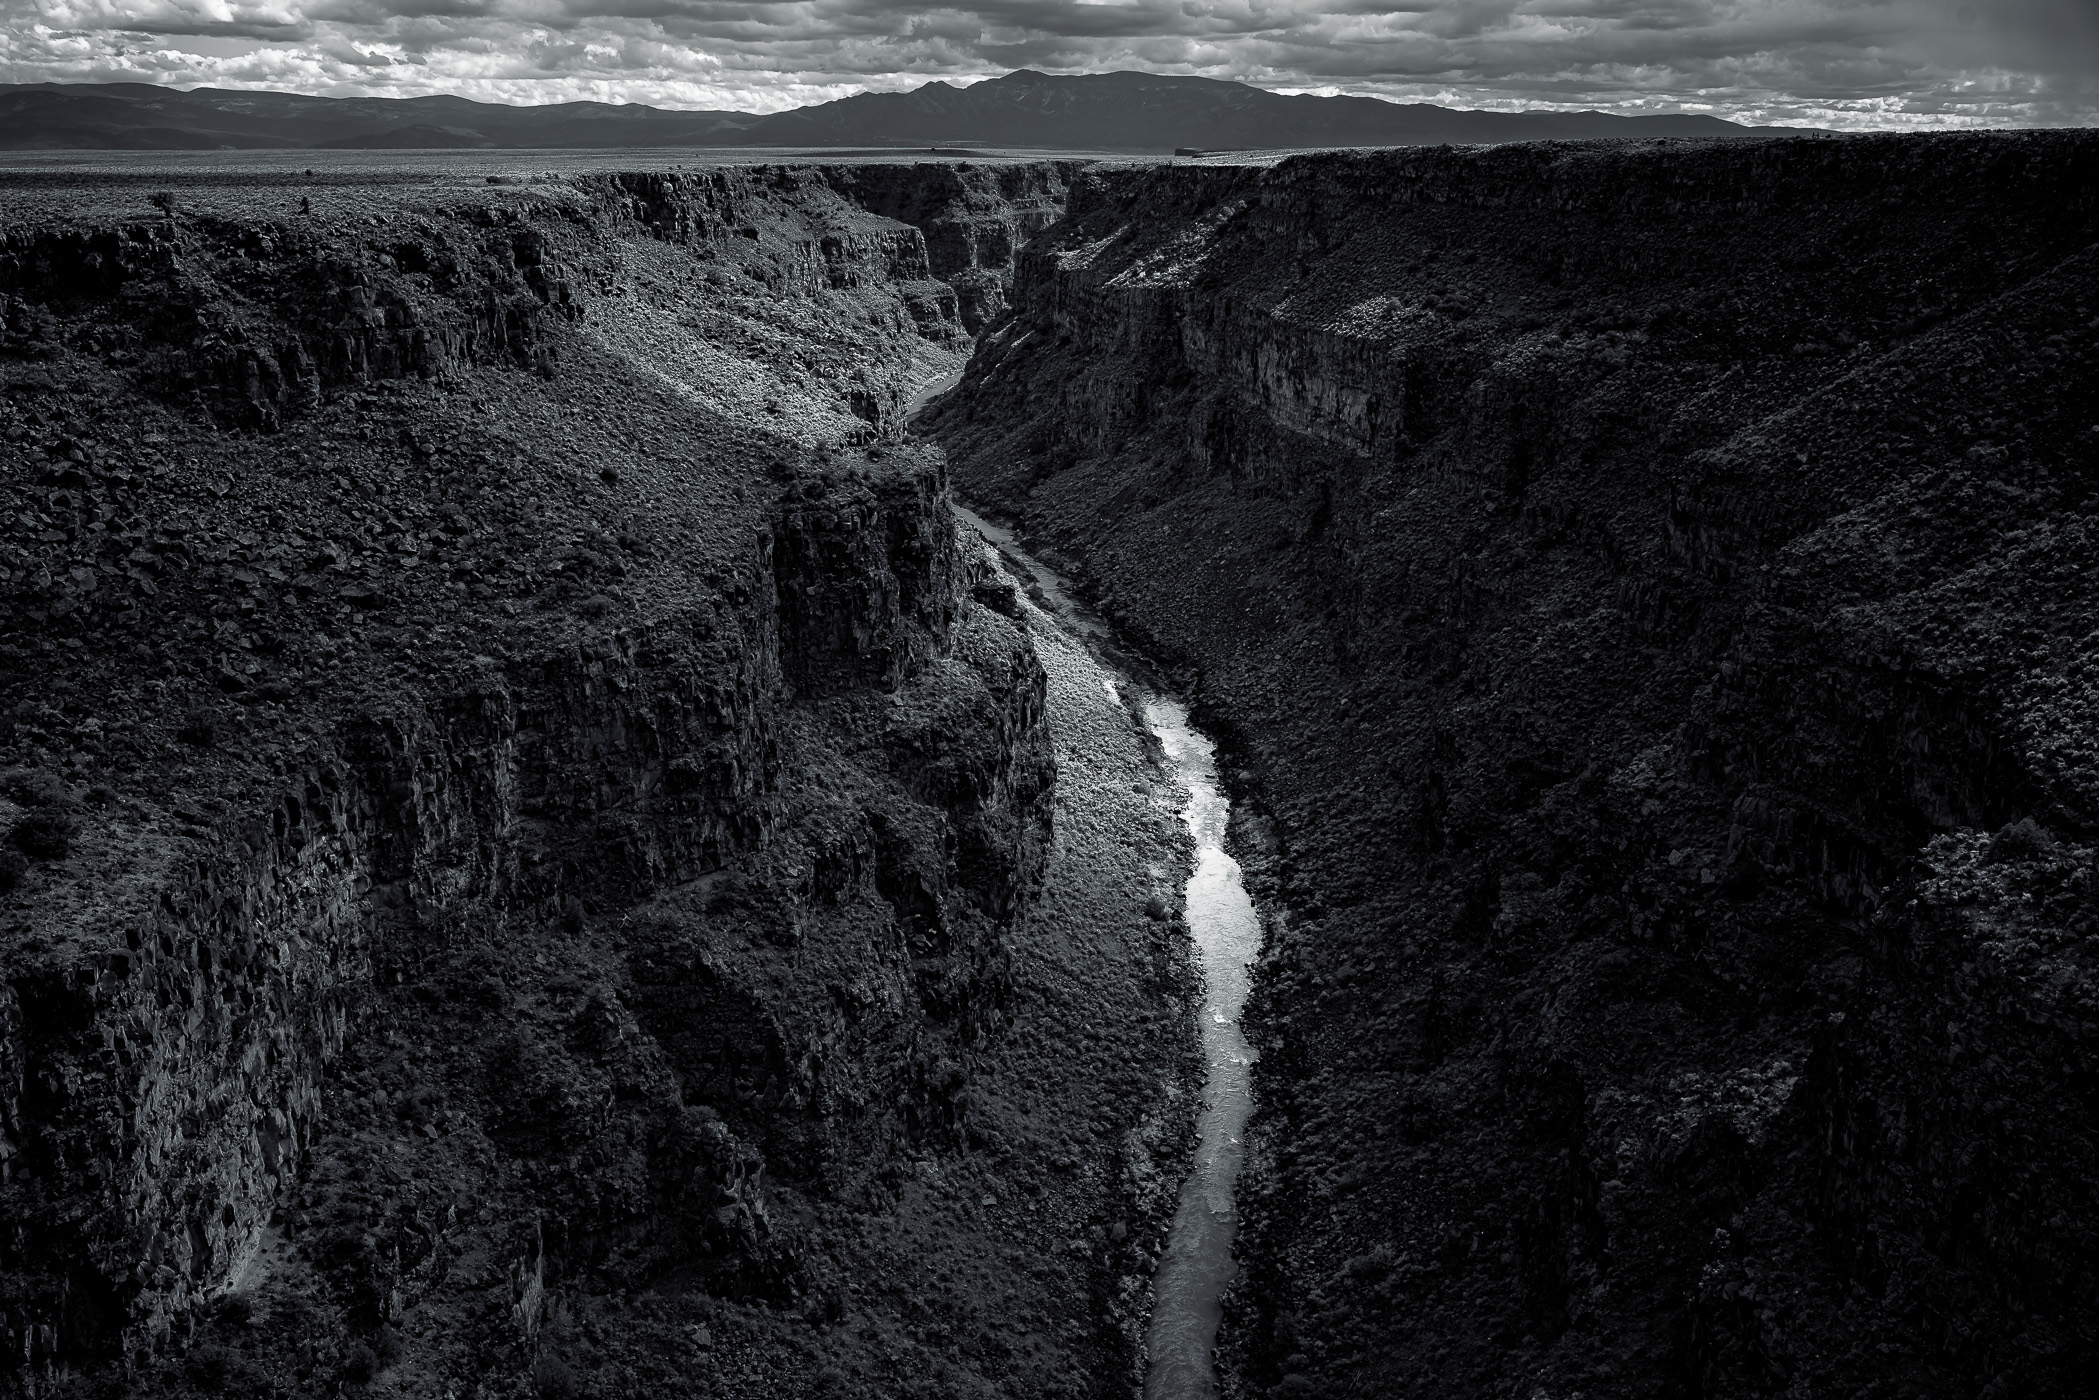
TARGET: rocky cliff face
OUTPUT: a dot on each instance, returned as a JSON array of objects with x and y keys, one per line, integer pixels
[
  {"x": 975, "y": 219},
  {"x": 252, "y": 308},
  {"x": 507, "y": 780},
  {"x": 1647, "y": 588}
]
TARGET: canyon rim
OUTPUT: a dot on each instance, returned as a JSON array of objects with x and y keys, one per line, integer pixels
[{"x": 545, "y": 858}]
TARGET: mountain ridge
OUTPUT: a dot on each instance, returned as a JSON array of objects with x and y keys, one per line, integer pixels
[{"x": 1110, "y": 111}]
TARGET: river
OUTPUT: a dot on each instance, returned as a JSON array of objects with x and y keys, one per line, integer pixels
[{"x": 1189, "y": 1284}]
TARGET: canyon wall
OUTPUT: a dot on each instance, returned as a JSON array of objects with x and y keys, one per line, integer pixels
[
  {"x": 506, "y": 768},
  {"x": 1645, "y": 590},
  {"x": 255, "y": 306},
  {"x": 975, "y": 219}
]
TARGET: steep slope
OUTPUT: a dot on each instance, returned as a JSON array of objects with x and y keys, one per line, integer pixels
[
  {"x": 528, "y": 830},
  {"x": 1651, "y": 596}
]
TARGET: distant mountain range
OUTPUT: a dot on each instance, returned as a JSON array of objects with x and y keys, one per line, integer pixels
[{"x": 1107, "y": 111}]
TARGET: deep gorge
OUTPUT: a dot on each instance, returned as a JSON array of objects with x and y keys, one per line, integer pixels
[
  {"x": 1643, "y": 594},
  {"x": 565, "y": 873}
]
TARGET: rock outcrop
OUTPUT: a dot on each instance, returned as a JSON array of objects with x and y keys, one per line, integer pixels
[
  {"x": 167, "y": 1055},
  {"x": 1638, "y": 582}
]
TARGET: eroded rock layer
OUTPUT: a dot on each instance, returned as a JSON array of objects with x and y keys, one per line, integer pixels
[{"x": 1650, "y": 591}]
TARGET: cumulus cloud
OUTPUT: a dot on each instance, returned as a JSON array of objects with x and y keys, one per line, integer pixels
[{"x": 1842, "y": 63}]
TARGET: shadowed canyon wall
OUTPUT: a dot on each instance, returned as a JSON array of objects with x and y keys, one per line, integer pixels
[
  {"x": 1648, "y": 591},
  {"x": 517, "y": 807}
]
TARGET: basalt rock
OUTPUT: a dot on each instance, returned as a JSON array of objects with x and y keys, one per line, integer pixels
[
  {"x": 518, "y": 827},
  {"x": 165, "y": 1064},
  {"x": 866, "y": 573},
  {"x": 249, "y": 320}
]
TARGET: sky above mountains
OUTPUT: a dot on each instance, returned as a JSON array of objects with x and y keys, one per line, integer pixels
[{"x": 1832, "y": 63}]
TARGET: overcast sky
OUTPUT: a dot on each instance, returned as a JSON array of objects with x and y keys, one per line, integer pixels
[{"x": 1844, "y": 63}]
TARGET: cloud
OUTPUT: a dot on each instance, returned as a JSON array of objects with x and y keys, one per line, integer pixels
[
  {"x": 171, "y": 18},
  {"x": 1843, "y": 63}
]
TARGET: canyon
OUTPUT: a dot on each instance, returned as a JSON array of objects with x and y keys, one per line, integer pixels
[
  {"x": 1643, "y": 596},
  {"x": 546, "y": 859}
]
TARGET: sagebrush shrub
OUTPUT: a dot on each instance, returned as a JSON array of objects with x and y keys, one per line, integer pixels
[
  {"x": 32, "y": 787},
  {"x": 555, "y": 1379},
  {"x": 360, "y": 1364},
  {"x": 46, "y": 834}
]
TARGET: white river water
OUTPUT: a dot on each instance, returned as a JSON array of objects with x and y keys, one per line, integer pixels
[
  {"x": 1188, "y": 1286},
  {"x": 1197, "y": 1265}
]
